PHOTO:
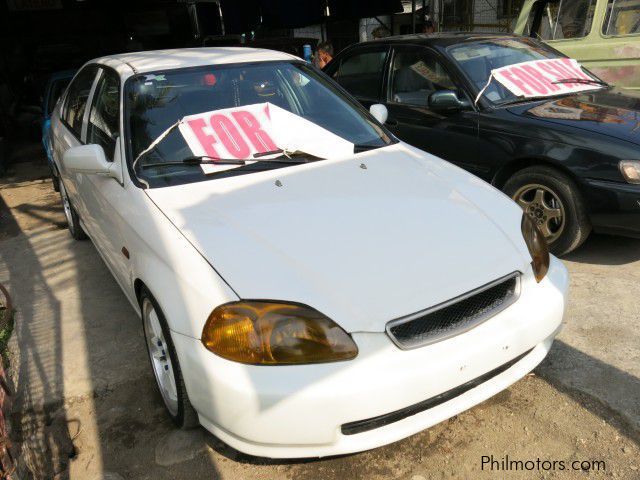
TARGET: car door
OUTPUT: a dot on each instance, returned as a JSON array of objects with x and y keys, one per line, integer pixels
[
  {"x": 69, "y": 131},
  {"x": 100, "y": 193},
  {"x": 416, "y": 72},
  {"x": 360, "y": 72}
]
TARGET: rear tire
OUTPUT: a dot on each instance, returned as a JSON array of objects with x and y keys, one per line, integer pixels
[
  {"x": 73, "y": 220},
  {"x": 164, "y": 364},
  {"x": 553, "y": 201}
]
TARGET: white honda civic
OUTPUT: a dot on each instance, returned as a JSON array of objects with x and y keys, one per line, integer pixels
[{"x": 308, "y": 284}]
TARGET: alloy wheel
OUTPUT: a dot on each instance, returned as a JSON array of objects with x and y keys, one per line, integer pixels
[
  {"x": 159, "y": 356},
  {"x": 545, "y": 208}
]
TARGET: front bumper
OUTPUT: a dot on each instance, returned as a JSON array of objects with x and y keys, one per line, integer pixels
[
  {"x": 614, "y": 207},
  {"x": 299, "y": 411}
]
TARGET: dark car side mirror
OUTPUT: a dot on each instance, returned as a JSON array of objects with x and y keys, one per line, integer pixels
[{"x": 447, "y": 100}]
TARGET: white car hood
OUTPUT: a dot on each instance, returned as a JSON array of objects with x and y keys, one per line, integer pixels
[{"x": 364, "y": 240}]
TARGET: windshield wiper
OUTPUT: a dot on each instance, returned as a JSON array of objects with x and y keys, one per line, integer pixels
[
  {"x": 518, "y": 100},
  {"x": 206, "y": 160},
  {"x": 284, "y": 153},
  {"x": 359, "y": 148},
  {"x": 583, "y": 81}
]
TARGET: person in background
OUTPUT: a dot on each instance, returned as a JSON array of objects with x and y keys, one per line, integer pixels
[
  {"x": 324, "y": 54},
  {"x": 380, "y": 32},
  {"x": 428, "y": 27}
]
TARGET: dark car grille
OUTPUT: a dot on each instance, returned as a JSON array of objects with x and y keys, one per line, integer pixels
[{"x": 455, "y": 316}]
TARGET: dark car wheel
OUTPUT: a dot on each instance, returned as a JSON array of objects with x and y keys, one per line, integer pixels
[
  {"x": 553, "y": 201},
  {"x": 164, "y": 363},
  {"x": 73, "y": 221}
]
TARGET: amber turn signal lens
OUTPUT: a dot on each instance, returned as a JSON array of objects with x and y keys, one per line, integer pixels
[
  {"x": 274, "y": 333},
  {"x": 537, "y": 246}
]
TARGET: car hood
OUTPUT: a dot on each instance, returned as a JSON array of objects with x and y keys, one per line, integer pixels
[
  {"x": 611, "y": 112},
  {"x": 363, "y": 240}
]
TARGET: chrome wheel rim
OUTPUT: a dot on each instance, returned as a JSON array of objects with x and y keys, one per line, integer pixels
[
  {"x": 544, "y": 207},
  {"x": 66, "y": 205},
  {"x": 159, "y": 356}
]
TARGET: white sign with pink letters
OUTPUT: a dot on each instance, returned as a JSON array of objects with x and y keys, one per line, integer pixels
[
  {"x": 242, "y": 132},
  {"x": 539, "y": 78}
]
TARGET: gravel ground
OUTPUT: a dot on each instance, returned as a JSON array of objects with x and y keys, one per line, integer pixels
[{"x": 581, "y": 404}]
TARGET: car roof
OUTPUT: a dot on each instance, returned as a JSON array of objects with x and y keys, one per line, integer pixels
[
  {"x": 443, "y": 39},
  {"x": 153, "y": 60}
]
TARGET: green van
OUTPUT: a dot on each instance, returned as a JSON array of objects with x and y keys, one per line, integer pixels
[{"x": 604, "y": 35}]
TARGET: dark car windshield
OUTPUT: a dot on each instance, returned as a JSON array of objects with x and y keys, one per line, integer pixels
[
  {"x": 157, "y": 101},
  {"x": 477, "y": 59}
]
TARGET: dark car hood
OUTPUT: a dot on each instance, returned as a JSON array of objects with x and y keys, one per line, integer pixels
[{"x": 612, "y": 112}]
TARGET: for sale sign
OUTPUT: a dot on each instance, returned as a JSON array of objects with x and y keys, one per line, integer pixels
[
  {"x": 539, "y": 78},
  {"x": 236, "y": 133},
  {"x": 243, "y": 132}
]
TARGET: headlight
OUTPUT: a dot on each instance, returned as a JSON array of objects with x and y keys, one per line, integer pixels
[
  {"x": 537, "y": 246},
  {"x": 274, "y": 333},
  {"x": 630, "y": 170}
]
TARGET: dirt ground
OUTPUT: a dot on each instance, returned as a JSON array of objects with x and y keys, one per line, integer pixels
[{"x": 87, "y": 409}]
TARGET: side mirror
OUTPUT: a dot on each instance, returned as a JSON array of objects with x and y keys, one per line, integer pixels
[
  {"x": 444, "y": 100},
  {"x": 87, "y": 159},
  {"x": 379, "y": 112}
]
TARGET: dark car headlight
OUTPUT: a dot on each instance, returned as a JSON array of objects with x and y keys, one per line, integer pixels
[
  {"x": 275, "y": 333},
  {"x": 630, "y": 170},
  {"x": 537, "y": 246}
]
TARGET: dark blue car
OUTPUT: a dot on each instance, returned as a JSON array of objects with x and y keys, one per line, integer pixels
[{"x": 54, "y": 87}]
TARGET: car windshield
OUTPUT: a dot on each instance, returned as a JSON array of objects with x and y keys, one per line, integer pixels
[
  {"x": 477, "y": 59},
  {"x": 159, "y": 100}
]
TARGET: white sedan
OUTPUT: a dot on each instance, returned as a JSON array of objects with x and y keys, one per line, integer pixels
[{"x": 308, "y": 284}]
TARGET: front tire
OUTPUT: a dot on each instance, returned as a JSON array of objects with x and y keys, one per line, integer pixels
[
  {"x": 73, "y": 221},
  {"x": 554, "y": 203},
  {"x": 164, "y": 364}
]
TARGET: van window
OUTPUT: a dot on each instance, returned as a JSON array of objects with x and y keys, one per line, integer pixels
[
  {"x": 623, "y": 18},
  {"x": 562, "y": 19}
]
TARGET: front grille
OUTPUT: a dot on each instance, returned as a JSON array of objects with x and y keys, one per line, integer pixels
[{"x": 455, "y": 316}]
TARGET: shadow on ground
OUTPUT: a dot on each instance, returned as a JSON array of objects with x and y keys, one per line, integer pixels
[
  {"x": 40, "y": 424},
  {"x": 606, "y": 250},
  {"x": 593, "y": 383}
]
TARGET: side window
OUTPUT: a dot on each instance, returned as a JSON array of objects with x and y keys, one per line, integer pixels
[
  {"x": 563, "y": 19},
  {"x": 623, "y": 18},
  {"x": 76, "y": 101},
  {"x": 415, "y": 75},
  {"x": 104, "y": 116},
  {"x": 361, "y": 73}
]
